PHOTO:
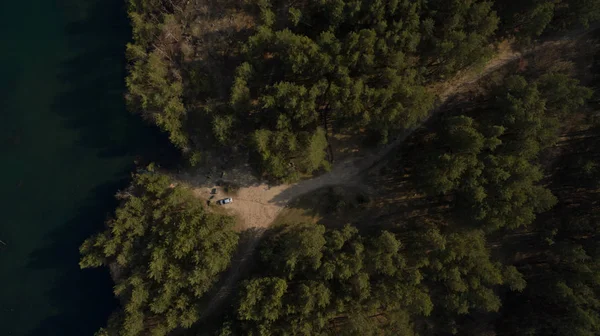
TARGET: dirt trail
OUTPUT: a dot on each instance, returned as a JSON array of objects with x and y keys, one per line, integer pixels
[{"x": 258, "y": 205}]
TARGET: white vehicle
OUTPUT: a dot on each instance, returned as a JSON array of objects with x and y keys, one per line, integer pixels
[{"x": 225, "y": 201}]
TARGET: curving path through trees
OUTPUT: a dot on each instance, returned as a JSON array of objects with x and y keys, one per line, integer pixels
[{"x": 258, "y": 205}]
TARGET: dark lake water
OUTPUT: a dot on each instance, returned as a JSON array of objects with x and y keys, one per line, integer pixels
[{"x": 67, "y": 144}]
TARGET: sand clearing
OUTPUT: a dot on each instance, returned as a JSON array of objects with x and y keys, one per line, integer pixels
[{"x": 252, "y": 205}]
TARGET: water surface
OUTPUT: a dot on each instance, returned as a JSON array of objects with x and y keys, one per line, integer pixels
[{"x": 67, "y": 144}]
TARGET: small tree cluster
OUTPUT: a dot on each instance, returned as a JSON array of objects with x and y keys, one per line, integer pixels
[
  {"x": 489, "y": 164},
  {"x": 531, "y": 18},
  {"x": 154, "y": 82},
  {"x": 165, "y": 251},
  {"x": 316, "y": 281}
]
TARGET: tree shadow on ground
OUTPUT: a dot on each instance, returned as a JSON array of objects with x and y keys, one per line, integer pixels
[{"x": 333, "y": 206}]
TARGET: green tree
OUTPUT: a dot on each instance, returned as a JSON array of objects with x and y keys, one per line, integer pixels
[
  {"x": 490, "y": 164},
  {"x": 154, "y": 91},
  {"x": 328, "y": 275},
  {"x": 165, "y": 251},
  {"x": 467, "y": 274},
  {"x": 295, "y": 249},
  {"x": 354, "y": 67},
  {"x": 563, "y": 94},
  {"x": 564, "y": 299},
  {"x": 457, "y": 33},
  {"x": 260, "y": 299},
  {"x": 529, "y": 19},
  {"x": 350, "y": 68}
]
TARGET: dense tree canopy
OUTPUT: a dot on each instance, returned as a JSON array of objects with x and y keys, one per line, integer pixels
[
  {"x": 308, "y": 69},
  {"x": 564, "y": 258},
  {"x": 564, "y": 264},
  {"x": 530, "y": 18},
  {"x": 457, "y": 34},
  {"x": 565, "y": 298},
  {"x": 334, "y": 272},
  {"x": 350, "y": 65},
  {"x": 165, "y": 251},
  {"x": 315, "y": 281},
  {"x": 490, "y": 163},
  {"x": 154, "y": 84}
]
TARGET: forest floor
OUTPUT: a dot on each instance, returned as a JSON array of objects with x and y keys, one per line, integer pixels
[{"x": 257, "y": 204}]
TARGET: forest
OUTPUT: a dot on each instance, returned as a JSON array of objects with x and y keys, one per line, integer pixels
[{"x": 484, "y": 220}]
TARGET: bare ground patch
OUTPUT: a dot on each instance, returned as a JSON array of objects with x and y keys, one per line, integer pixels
[{"x": 250, "y": 204}]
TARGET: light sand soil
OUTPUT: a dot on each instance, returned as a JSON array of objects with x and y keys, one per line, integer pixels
[{"x": 251, "y": 204}]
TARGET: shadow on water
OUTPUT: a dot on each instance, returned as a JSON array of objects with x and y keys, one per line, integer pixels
[
  {"x": 9, "y": 134},
  {"x": 83, "y": 299},
  {"x": 92, "y": 104}
]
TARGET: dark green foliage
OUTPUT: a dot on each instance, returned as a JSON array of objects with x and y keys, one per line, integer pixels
[
  {"x": 295, "y": 250},
  {"x": 566, "y": 272},
  {"x": 310, "y": 69},
  {"x": 563, "y": 94},
  {"x": 322, "y": 282},
  {"x": 355, "y": 63},
  {"x": 564, "y": 257},
  {"x": 154, "y": 91},
  {"x": 282, "y": 152},
  {"x": 457, "y": 33},
  {"x": 165, "y": 251},
  {"x": 459, "y": 272},
  {"x": 351, "y": 68},
  {"x": 154, "y": 83},
  {"x": 145, "y": 21},
  {"x": 261, "y": 299},
  {"x": 490, "y": 164},
  {"x": 528, "y": 19},
  {"x": 312, "y": 275},
  {"x": 467, "y": 274}
]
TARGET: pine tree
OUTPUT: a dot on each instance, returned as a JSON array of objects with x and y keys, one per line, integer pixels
[{"x": 168, "y": 252}]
